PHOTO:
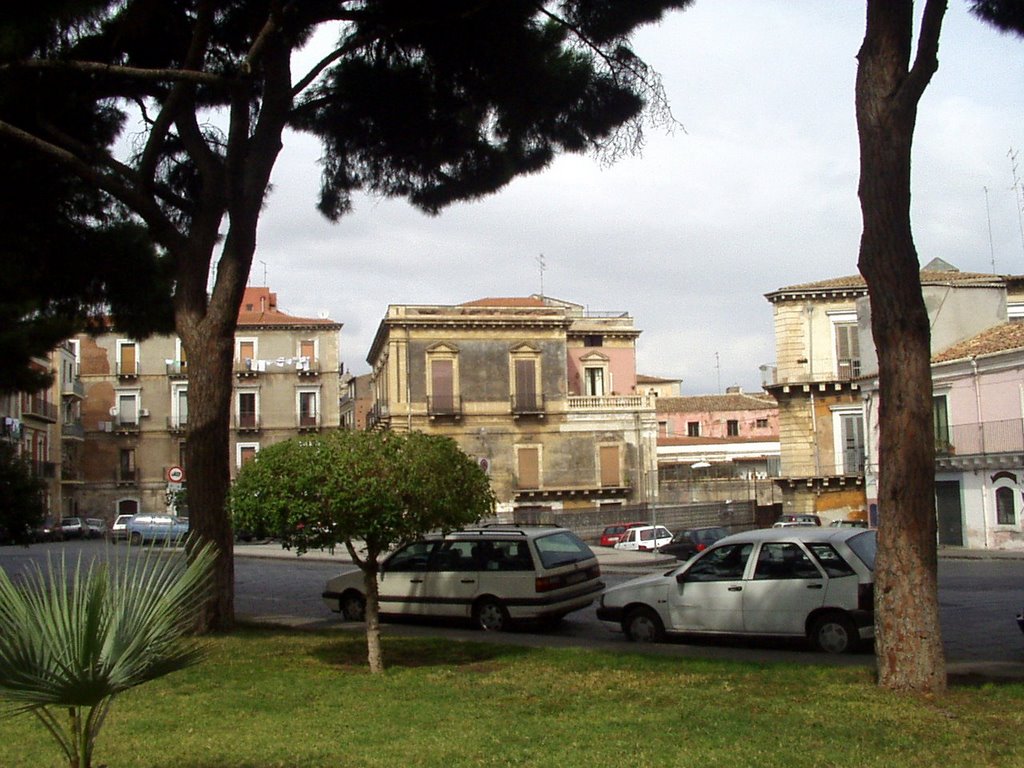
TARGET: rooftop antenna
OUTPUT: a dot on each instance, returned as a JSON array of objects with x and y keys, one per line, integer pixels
[
  {"x": 718, "y": 374},
  {"x": 1017, "y": 193},
  {"x": 264, "y": 272},
  {"x": 991, "y": 247},
  {"x": 542, "y": 265}
]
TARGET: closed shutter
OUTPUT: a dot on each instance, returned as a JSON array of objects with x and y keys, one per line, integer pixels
[
  {"x": 529, "y": 467},
  {"x": 442, "y": 385},
  {"x": 610, "y": 466},
  {"x": 526, "y": 385}
]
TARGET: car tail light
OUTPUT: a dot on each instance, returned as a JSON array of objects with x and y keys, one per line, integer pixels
[
  {"x": 549, "y": 583},
  {"x": 866, "y": 597},
  {"x": 701, "y": 547}
]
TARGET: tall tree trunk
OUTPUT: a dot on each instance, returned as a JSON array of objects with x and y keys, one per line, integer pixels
[{"x": 908, "y": 641}]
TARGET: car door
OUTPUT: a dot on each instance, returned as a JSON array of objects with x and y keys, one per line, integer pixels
[
  {"x": 402, "y": 578},
  {"x": 708, "y": 594},
  {"x": 451, "y": 579},
  {"x": 785, "y": 587}
]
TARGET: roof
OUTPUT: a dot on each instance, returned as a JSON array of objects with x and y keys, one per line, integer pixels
[
  {"x": 857, "y": 284},
  {"x": 999, "y": 338},
  {"x": 643, "y": 379},
  {"x": 259, "y": 308},
  {"x": 507, "y": 301},
  {"x": 733, "y": 401},
  {"x": 682, "y": 440}
]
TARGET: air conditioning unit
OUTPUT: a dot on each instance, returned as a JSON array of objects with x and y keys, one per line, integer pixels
[
  {"x": 106, "y": 426},
  {"x": 143, "y": 411}
]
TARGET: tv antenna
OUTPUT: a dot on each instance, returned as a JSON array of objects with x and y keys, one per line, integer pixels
[
  {"x": 1017, "y": 193},
  {"x": 542, "y": 265}
]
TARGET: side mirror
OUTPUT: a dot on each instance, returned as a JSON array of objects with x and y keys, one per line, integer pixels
[{"x": 681, "y": 577}]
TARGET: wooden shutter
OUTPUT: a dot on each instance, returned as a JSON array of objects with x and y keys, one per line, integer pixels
[
  {"x": 128, "y": 358},
  {"x": 246, "y": 350},
  {"x": 529, "y": 467},
  {"x": 442, "y": 385},
  {"x": 526, "y": 384},
  {"x": 610, "y": 466}
]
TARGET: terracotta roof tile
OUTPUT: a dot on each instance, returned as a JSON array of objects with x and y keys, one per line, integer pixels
[
  {"x": 999, "y": 338},
  {"x": 702, "y": 403}
]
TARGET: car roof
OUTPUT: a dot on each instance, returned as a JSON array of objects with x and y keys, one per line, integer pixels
[
  {"x": 496, "y": 532},
  {"x": 793, "y": 533}
]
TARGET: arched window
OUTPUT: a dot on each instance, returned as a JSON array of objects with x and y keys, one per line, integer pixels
[{"x": 1006, "y": 512}]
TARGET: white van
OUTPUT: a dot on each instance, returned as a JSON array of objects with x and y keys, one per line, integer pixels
[{"x": 644, "y": 538}]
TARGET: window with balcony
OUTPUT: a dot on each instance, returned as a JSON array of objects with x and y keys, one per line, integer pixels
[
  {"x": 848, "y": 430},
  {"x": 443, "y": 381},
  {"x": 309, "y": 409},
  {"x": 940, "y": 425},
  {"x": 179, "y": 407},
  {"x": 127, "y": 358},
  {"x": 126, "y": 470},
  {"x": 127, "y": 410},
  {"x": 526, "y": 396},
  {"x": 247, "y": 410},
  {"x": 245, "y": 356},
  {"x": 847, "y": 348}
]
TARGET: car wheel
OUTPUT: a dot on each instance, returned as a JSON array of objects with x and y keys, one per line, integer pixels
[
  {"x": 834, "y": 633},
  {"x": 489, "y": 614},
  {"x": 353, "y": 606},
  {"x": 643, "y": 625},
  {"x": 136, "y": 537}
]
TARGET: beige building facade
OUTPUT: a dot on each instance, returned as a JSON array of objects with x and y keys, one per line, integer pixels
[
  {"x": 539, "y": 391},
  {"x": 134, "y": 409}
]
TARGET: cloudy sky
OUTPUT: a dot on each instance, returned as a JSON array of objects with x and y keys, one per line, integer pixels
[{"x": 758, "y": 192}]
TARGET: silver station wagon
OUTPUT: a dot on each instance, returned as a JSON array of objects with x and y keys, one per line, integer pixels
[
  {"x": 494, "y": 575},
  {"x": 797, "y": 582}
]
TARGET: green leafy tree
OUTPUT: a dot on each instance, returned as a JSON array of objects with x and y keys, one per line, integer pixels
[
  {"x": 22, "y": 507},
  {"x": 371, "y": 491},
  {"x": 71, "y": 641},
  {"x": 426, "y": 101}
]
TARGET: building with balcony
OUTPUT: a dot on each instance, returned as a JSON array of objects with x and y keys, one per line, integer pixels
[
  {"x": 134, "y": 406},
  {"x": 541, "y": 392}
]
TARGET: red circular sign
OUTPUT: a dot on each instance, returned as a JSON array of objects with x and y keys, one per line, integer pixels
[{"x": 175, "y": 474}]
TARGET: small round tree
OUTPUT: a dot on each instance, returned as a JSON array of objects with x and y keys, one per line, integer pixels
[{"x": 371, "y": 491}]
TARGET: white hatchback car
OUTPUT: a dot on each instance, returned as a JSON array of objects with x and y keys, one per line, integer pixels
[
  {"x": 495, "y": 575},
  {"x": 644, "y": 538},
  {"x": 799, "y": 582}
]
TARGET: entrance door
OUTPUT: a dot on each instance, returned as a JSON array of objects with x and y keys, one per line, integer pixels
[{"x": 950, "y": 513}]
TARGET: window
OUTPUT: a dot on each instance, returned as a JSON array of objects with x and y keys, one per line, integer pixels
[
  {"x": 245, "y": 452},
  {"x": 784, "y": 561},
  {"x": 528, "y": 467},
  {"x": 761, "y": 423},
  {"x": 732, "y": 428},
  {"x": 127, "y": 358},
  {"x": 443, "y": 381},
  {"x": 610, "y": 473},
  {"x": 248, "y": 409},
  {"x": 847, "y": 346},
  {"x": 128, "y": 409},
  {"x": 525, "y": 385},
  {"x": 126, "y": 466},
  {"x": 179, "y": 406},
  {"x": 723, "y": 564},
  {"x": 662, "y": 429},
  {"x": 593, "y": 340},
  {"x": 309, "y": 408},
  {"x": 245, "y": 353},
  {"x": 940, "y": 424},
  {"x": 693, "y": 429},
  {"x": 848, "y": 431},
  {"x": 593, "y": 378},
  {"x": 1006, "y": 512}
]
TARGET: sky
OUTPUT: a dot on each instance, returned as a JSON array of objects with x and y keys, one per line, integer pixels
[{"x": 755, "y": 190}]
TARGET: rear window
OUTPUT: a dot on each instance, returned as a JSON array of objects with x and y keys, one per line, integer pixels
[
  {"x": 865, "y": 546},
  {"x": 561, "y": 548}
]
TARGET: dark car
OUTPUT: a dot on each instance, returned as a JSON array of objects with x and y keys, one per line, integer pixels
[{"x": 685, "y": 544}]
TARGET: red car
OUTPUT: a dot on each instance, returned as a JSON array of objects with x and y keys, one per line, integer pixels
[{"x": 610, "y": 536}]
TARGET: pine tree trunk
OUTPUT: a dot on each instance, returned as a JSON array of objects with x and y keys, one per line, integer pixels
[{"x": 908, "y": 642}]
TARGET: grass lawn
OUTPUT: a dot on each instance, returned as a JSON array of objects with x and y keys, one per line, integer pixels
[{"x": 274, "y": 697}]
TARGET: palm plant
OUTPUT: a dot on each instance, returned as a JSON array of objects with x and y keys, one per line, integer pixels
[{"x": 71, "y": 640}]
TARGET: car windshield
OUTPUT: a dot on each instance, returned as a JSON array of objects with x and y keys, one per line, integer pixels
[
  {"x": 561, "y": 548},
  {"x": 864, "y": 545}
]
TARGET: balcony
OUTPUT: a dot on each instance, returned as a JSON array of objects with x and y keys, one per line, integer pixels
[
  {"x": 177, "y": 426},
  {"x": 444, "y": 407},
  {"x": 127, "y": 476},
  {"x": 527, "y": 404},
  {"x": 989, "y": 444},
  {"x": 378, "y": 415},
  {"x": 39, "y": 408},
  {"x": 247, "y": 422},
  {"x": 72, "y": 430},
  {"x": 309, "y": 422},
  {"x": 74, "y": 388},
  {"x": 610, "y": 403},
  {"x": 177, "y": 369},
  {"x": 44, "y": 470},
  {"x": 128, "y": 370},
  {"x": 123, "y": 425}
]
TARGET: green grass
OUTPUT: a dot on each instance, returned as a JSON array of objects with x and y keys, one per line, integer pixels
[{"x": 268, "y": 697}]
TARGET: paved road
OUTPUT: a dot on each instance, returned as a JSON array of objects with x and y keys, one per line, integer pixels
[{"x": 979, "y": 599}]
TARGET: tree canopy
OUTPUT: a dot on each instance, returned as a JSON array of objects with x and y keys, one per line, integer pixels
[
  {"x": 22, "y": 494},
  {"x": 433, "y": 102},
  {"x": 368, "y": 491}
]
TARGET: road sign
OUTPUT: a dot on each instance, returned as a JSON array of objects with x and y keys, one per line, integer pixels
[{"x": 175, "y": 474}]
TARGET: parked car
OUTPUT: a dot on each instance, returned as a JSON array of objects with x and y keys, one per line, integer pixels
[
  {"x": 645, "y": 538},
  {"x": 816, "y": 583},
  {"x": 685, "y": 544},
  {"x": 495, "y": 576},
  {"x": 48, "y": 530},
  {"x": 157, "y": 529},
  {"x": 119, "y": 529},
  {"x": 848, "y": 524},
  {"x": 790, "y": 520},
  {"x": 611, "y": 534},
  {"x": 73, "y": 528},
  {"x": 96, "y": 527}
]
